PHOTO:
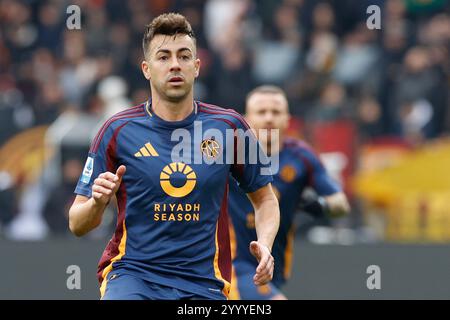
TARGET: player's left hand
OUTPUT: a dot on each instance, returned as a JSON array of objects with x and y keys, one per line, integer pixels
[{"x": 264, "y": 270}]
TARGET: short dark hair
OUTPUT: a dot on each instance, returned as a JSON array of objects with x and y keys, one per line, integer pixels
[
  {"x": 266, "y": 89},
  {"x": 170, "y": 24}
]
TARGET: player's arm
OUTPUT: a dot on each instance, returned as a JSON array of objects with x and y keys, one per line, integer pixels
[
  {"x": 267, "y": 221},
  {"x": 337, "y": 204},
  {"x": 86, "y": 213},
  {"x": 332, "y": 201}
]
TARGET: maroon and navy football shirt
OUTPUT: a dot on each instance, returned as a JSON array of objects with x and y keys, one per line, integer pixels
[{"x": 172, "y": 226}]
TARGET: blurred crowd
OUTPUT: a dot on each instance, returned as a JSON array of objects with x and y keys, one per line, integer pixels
[{"x": 391, "y": 82}]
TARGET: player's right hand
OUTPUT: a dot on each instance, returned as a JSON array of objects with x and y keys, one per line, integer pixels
[
  {"x": 106, "y": 185},
  {"x": 264, "y": 271}
]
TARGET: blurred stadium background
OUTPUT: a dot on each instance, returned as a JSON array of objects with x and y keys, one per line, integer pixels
[{"x": 373, "y": 103}]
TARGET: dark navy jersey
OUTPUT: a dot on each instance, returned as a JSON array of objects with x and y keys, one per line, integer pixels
[
  {"x": 299, "y": 167},
  {"x": 172, "y": 226}
]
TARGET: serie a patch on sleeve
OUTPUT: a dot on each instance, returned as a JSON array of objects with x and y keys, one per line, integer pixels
[{"x": 87, "y": 171}]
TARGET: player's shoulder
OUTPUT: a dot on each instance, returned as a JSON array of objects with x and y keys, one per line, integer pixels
[
  {"x": 230, "y": 116},
  {"x": 116, "y": 122},
  {"x": 124, "y": 116},
  {"x": 299, "y": 147}
]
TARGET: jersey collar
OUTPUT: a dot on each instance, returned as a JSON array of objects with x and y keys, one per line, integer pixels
[{"x": 172, "y": 124}]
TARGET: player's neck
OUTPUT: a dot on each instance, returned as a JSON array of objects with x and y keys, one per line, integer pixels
[{"x": 172, "y": 111}]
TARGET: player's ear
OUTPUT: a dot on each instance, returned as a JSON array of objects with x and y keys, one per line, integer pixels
[
  {"x": 197, "y": 67},
  {"x": 145, "y": 70}
]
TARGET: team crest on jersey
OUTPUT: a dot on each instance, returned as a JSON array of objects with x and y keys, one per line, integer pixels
[
  {"x": 288, "y": 173},
  {"x": 210, "y": 148},
  {"x": 87, "y": 171},
  {"x": 250, "y": 223},
  {"x": 264, "y": 289}
]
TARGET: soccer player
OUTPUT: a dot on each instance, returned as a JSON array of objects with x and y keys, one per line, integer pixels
[
  {"x": 171, "y": 239},
  {"x": 299, "y": 167}
]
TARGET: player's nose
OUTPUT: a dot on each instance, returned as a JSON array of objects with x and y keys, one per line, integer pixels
[
  {"x": 268, "y": 119},
  {"x": 174, "y": 64}
]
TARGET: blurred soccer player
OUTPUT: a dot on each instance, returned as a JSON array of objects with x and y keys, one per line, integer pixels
[
  {"x": 171, "y": 240},
  {"x": 299, "y": 167}
]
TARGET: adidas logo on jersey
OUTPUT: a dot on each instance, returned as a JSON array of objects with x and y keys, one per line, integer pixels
[{"x": 146, "y": 151}]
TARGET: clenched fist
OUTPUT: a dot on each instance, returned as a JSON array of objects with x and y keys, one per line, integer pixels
[{"x": 106, "y": 185}]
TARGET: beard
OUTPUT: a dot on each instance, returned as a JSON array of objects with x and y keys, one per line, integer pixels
[{"x": 173, "y": 94}]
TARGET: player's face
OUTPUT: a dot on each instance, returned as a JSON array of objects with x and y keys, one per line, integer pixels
[
  {"x": 267, "y": 111},
  {"x": 171, "y": 66}
]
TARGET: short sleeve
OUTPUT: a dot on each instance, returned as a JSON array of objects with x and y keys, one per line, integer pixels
[
  {"x": 318, "y": 177},
  {"x": 251, "y": 167},
  {"x": 97, "y": 162}
]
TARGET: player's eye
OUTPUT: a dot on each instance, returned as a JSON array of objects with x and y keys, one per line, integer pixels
[
  {"x": 185, "y": 57},
  {"x": 163, "y": 58}
]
